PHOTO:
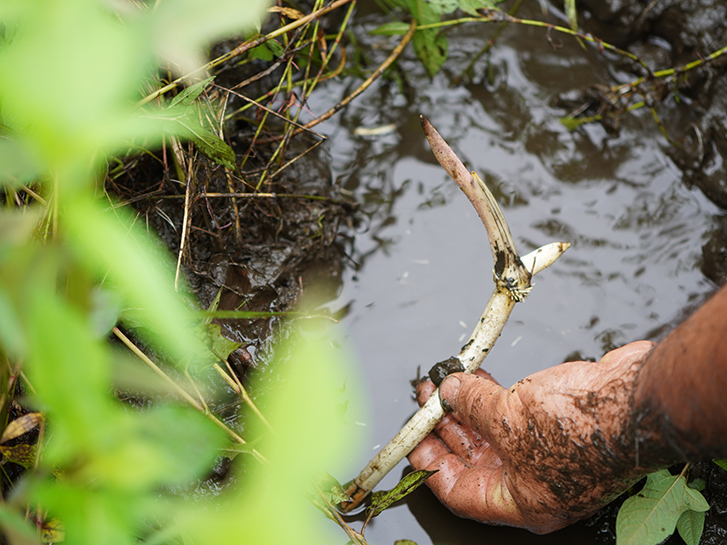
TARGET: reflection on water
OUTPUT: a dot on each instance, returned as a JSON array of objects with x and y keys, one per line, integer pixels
[{"x": 424, "y": 266}]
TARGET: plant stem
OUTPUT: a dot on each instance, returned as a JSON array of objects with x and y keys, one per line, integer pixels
[
  {"x": 245, "y": 46},
  {"x": 182, "y": 392},
  {"x": 428, "y": 416},
  {"x": 512, "y": 276}
]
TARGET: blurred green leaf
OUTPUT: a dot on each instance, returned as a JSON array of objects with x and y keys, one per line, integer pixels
[
  {"x": 12, "y": 334},
  {"x": 64, "y": 359},
  {"x": 105, "y": 311},
  {"x": 18, "y": 166},
  {"x": 721, "y": 463},
  {"x": 383, "y": 499},
  {"x": 16, "y": 528},
  {"x": 471, "y": 6},
  {"x": 95, "y": 72},
  {"x": 167, "y": 445},
  {"x": 183, "y": 27},
  {"x": 444, "y": 6},
  {"x": 303, "y": 407},
  {"x": 331, "y": 488},
  {"x": 17, "y": 226},
  {"x": 108, "y": 245}
]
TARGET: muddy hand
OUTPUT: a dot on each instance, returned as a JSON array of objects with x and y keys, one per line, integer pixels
[{"x": 549, "y": 451}]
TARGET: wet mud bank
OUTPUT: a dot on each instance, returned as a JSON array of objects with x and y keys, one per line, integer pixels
[{"x": 258, "y": 253}]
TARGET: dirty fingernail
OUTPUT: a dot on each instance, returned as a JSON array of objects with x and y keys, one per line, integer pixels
[{"x": 448, "y": 392}]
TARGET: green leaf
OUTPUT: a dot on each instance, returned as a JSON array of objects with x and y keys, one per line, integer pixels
[
  {"x": 650, "y": 516},
  {"x": 383, "y": 499},
  {"x": 471, "y": 6},
  {"x": 572, "y": 123},
  {"x": 332, "y": 489},
  {"x": 208, "y": 143},
  {"x": 698, "y": 484},
  {"x": 690, "y": 526},
  {"x": 105, "y": 311},
  {"x": 432, "y": 49},
  {"x": 570, "y": 10},
  {"x": 721, "y": 463},
  {"x": 261, "y": 52},
  {"x": 444, "y": 6},
  {"x": 220, "y": 345},
  {"x": 695, "y": 500},
  {"x": 188, "y": 95},
  {"x": 276, "y": 48},
  {"x": 395, "y": 28},
  {"x": 430, "y": 46}
]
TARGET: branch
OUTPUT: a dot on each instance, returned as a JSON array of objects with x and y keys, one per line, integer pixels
[{"x": 512, "y": 275}]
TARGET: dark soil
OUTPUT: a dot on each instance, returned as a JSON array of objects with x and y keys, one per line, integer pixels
[{"x": 284, "y": 244}]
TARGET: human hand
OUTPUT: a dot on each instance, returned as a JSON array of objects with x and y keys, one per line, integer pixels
[{"x": 551, "y": 450}]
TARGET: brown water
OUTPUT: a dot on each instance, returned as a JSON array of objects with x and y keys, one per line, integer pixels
[{"x": 423, "y": 271}]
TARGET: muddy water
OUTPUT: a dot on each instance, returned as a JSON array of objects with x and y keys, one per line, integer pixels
[{"x": 423, "y": 267}]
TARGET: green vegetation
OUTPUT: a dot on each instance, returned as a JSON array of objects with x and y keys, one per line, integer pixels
[
  {"x": 81, "y": 86},
  {"x": 666, "y": 502},
  {"x": 73, "y": 266}
]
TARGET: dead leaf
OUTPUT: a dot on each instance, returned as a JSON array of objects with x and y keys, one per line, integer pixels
[{"x": 21, "y": 425}]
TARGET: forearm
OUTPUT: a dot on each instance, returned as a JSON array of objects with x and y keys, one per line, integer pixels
[{"x": 680, "y": 394}]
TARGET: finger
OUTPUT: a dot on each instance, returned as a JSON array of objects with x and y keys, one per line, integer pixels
[
  {"x": 425, "y": 388},
  {"x": 628, "y": 353},
  {"x": 477, "y": 403},
  {"x": 476, "y": 493}
]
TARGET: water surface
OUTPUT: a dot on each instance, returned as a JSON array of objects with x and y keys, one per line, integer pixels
[{"x": 423, "y": 271}]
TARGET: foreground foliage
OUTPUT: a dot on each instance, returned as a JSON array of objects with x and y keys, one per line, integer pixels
[{"x": 72, "y": 267}]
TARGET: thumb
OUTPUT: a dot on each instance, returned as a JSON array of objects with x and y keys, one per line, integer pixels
[{"x": 473, "y": 400}]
